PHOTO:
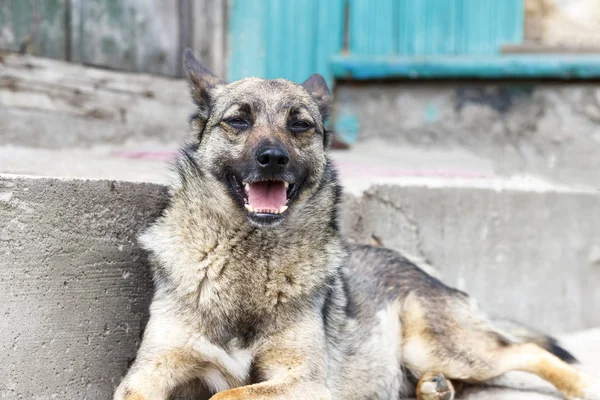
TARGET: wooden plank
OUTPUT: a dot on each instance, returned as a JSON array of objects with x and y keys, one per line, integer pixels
[
  {"x": 283, "y": 39},
  {"x": 247, "y": 39},
  {"x": 372, "y": 27},
  {"x": 291, "y": 38},
  {"x": 51, "y": 103},
  {"x": 440, "y": 28},
  {"x": 410, "y": 19},
  {"x": 209, "y": 33},
  {"x": 427, "y": 27},
  {"x": 538, "y": 48},
  {"x": 34, "y": 26},
  {"x": 133, "y": 35},
  {"x": 466, "y": 27},
  {"x": 276, "y": 37},
  {"x": 330, "y": 38},
  {"x": 186, "y": 31},
  {"x": 488, "y": 67},
  {"x": 483, "y": 26}
]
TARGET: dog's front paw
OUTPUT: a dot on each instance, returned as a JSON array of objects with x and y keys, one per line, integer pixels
[{"x": 435, "y": 387}]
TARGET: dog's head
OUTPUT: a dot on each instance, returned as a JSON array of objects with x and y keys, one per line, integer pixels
[{"x": 264, "y": 140}]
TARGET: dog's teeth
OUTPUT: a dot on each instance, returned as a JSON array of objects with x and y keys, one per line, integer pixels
[
  {"x": 249, "y": 208},
  {"x": 286, "y": 184},
  {"x": 247, "y": 187},
  {"x": 282, "y": 209}
]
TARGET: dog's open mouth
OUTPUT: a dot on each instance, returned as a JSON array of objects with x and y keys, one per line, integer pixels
[
  {"x": 266, "y": 200},
  {"x": 266, "y": 197}
]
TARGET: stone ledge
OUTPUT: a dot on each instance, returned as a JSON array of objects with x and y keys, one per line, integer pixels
[
  {"x": 529, "y": 255},
  {"x": 74, "y": 287}
]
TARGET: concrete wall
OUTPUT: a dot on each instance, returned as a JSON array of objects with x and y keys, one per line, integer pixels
[
  {"x": 548, "y": 129},
  {"x": 74, "y": 288},
  {"x": 528, "y": 254}
]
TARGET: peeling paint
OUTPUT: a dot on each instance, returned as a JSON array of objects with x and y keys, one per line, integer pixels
[{"x": 431, "y": 113}]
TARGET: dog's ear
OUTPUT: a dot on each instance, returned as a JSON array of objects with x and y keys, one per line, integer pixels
[
  {"x": 317, "y": 87},
  {"x": 202, "y": 82}
]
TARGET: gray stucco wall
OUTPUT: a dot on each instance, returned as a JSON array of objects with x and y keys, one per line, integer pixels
[
  {"x": 74, "y": 288},
  {"x": 550, "y": 129},
  {"x": 526, "y": 254}
]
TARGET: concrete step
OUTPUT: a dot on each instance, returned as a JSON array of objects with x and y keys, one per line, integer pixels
[
  {"x": 74, "y": 288},
  {"x": 549, "y": 129},
  {"x": 147, "y": 161}
]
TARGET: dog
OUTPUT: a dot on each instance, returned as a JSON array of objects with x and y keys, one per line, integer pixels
[{"x": 258, "y": 295}]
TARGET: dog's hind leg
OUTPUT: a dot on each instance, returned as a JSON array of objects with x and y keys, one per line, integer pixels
[
  {"x": 529, "y": 357},
  {"x": 446, "y": 334}
]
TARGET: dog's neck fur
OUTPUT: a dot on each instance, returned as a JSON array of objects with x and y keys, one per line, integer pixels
[{"x": 224, "y": 269}]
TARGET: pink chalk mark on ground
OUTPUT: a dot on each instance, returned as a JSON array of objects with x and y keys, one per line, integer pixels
[
  {"x": 145, "y": 155},
  {"x": 346, "y": 170}
]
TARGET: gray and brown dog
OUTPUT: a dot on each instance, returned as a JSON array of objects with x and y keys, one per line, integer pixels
[{"x": 257, "y": 295}]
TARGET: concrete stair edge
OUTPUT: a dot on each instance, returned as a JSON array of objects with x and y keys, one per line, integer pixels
[{"x": 75, "y": 287}]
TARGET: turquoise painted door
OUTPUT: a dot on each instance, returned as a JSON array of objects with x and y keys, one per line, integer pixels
[
  {"x": 295, "y": 38},
  {"x": 283, "y": 38}
]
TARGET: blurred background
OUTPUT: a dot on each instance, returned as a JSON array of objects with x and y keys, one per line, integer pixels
[
  {"x": 467, "y": 135},
  {"x": 453, "y": 87}
]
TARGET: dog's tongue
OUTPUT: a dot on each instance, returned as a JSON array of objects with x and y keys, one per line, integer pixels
[{"x": 267, "y": 196}]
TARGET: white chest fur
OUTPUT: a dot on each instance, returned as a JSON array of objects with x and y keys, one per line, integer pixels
[{"x": 225, "y": 367}]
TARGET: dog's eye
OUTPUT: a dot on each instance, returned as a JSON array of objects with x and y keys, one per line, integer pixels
[
  {"x": 237, "y": 123},
  {"x": 300, "y": 126}
]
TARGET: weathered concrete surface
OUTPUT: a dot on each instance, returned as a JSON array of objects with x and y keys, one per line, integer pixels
[
  {"x": 54, "y": 104},
  {"x": 138, "y": 163},
  {"x": 74, "y": 288},
  {"x": 528, "y": 252},
  {"x": 148, "y": 162},
  {"x": 548, "y": 129}
]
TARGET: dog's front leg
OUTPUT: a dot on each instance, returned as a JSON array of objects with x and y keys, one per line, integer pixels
[
  {"x": 291, "y": 365},
  {"x": 163, "y": 362}
]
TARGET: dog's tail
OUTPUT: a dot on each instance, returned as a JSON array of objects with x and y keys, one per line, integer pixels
[{"x": 520, "y": 333}]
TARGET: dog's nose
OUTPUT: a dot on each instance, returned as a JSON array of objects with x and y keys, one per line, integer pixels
[{"x": 272, "y": 158}]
